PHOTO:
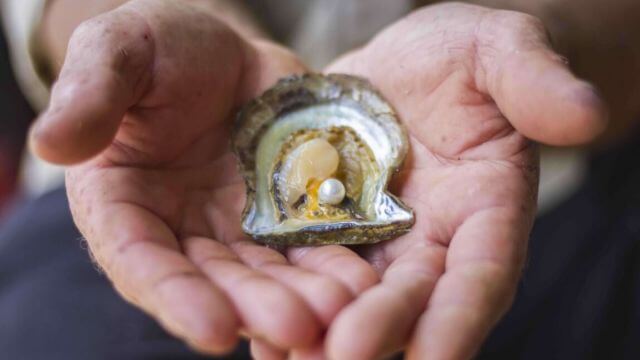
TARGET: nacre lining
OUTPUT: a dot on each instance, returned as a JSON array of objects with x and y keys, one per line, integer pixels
[{"x": 345, "y": 112}]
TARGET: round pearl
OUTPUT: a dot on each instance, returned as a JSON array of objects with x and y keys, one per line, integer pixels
[{"x": 331, "y": 192}]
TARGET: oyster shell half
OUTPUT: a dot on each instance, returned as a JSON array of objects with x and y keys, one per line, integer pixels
[{"x": 317, "y": 153}]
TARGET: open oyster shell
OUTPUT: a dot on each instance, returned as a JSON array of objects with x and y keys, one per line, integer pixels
[{"x": 302, "y": 135}]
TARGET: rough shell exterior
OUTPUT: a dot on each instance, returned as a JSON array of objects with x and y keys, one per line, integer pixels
[{"x": 298, "y": 92}]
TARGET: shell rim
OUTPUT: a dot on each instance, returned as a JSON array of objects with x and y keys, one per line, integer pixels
[{"x": 384, "y": 231}]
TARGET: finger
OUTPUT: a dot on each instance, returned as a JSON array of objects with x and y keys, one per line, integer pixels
[
  {"x": 266, "y": 63},
  {"x": 141, "y": 257},
  {"x": 324, "y": 295},
  {"x": 337, "y": 262},
  {"x": 483, "y": 265},
  {"x": 268, "y": 309},
  {"x": 262, "y": 350},
  {"x": 313, "y": 353},
  {"x": 106, "y": 70},
  {"x": 383, "y": 316},
  {"x": 533, "y": 86}
]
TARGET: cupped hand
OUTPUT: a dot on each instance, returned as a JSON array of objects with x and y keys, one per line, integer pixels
[
  {"x": 143, "y": 109},
  {"x": 475, "y": 88}
]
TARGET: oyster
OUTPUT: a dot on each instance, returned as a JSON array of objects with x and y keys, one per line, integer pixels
[{"x": 317, "y": 153}]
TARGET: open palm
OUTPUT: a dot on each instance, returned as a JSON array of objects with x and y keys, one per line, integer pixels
[
  {"x": 471, "y": 85},
  {"x": 147, "y": 93}
]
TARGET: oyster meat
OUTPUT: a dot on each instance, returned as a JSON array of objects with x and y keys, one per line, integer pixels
[{"x": 316, "y": 153}]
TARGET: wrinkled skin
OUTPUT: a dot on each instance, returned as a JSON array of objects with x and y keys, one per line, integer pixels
[
  {"x": 151, "y": 89},
  {"x": 147, "y": 93},
  {"x": 468, "y": 82}
]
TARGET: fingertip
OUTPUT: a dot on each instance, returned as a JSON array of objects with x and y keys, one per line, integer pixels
[
  {"x": 333, "y": 298},
  {"x": 338, "y": 262},
  {"x": 81, "y": 121},
  {"x": 95, "y": 88},
  {"x": 272, "y": 312},
  {"x": 341, "y": 343},
  {"x": 294, "y": 326},
  {"x": 359, "y": 318},
  {"x": 546, "y": 102},
  {"x": 217, "y": 334},
  {"x": 262, "y": 350},
  {"x": 39, "y": 142},
  {"x": 207, "y": 334},
  {"x": 451, "y": 340},
  {"x": 53, "y": 144},
  {"x": 196, "y": 311},
  {"x": 212, "y": 331},
  {"x": 267, "y": 309},
  {"x": 362, "y": 277},
  {"x": 324, "y": 295},
  {"x": 218, "y": 348},
  {"x": 579, "y": 116},
  {"x": 313, "y": 353},
  {"x": 591, "y": 115}
]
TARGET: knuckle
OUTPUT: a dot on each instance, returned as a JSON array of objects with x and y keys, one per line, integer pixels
[
  {"x": 174, "y": 278},
  {"x": 333, "y": 288},
  {"x": 251, "y": 279},
  {"x": 515, "y": 29},
  {"x": 532, "y": 22},
  {"x": 525, "y": 22},
  {"x": 88, "y": 31}
]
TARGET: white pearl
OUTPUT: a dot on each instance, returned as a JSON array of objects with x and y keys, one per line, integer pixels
[{"x": 331, "y": 192}]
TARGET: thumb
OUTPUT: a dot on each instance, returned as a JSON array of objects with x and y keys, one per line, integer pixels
[
  {"x": 535, "y": 89},
  {"x": 106, "y": 71}
]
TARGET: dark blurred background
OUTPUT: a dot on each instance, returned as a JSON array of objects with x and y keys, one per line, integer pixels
[{"x": 15, "y": 116}]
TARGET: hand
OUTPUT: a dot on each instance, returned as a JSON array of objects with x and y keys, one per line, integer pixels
[
  {"x": 472, "y": 85},
  {"x": 147, "y": 92}
]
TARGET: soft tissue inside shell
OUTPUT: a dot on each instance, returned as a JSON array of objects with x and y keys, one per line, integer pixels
[
  {"x": 311, "y": 156},
  {"x": 315, "y": 159}
]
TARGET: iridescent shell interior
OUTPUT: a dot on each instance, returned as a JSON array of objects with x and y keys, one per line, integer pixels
[{"x": 308, "y": 129}]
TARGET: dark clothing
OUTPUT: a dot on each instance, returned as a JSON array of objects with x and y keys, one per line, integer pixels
[
  {"x": 579, "y": 298},
  {"x": 580, "y": 294},
  {"x": 15, "y": 119},
  {"x": 54, "y": 304}
]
